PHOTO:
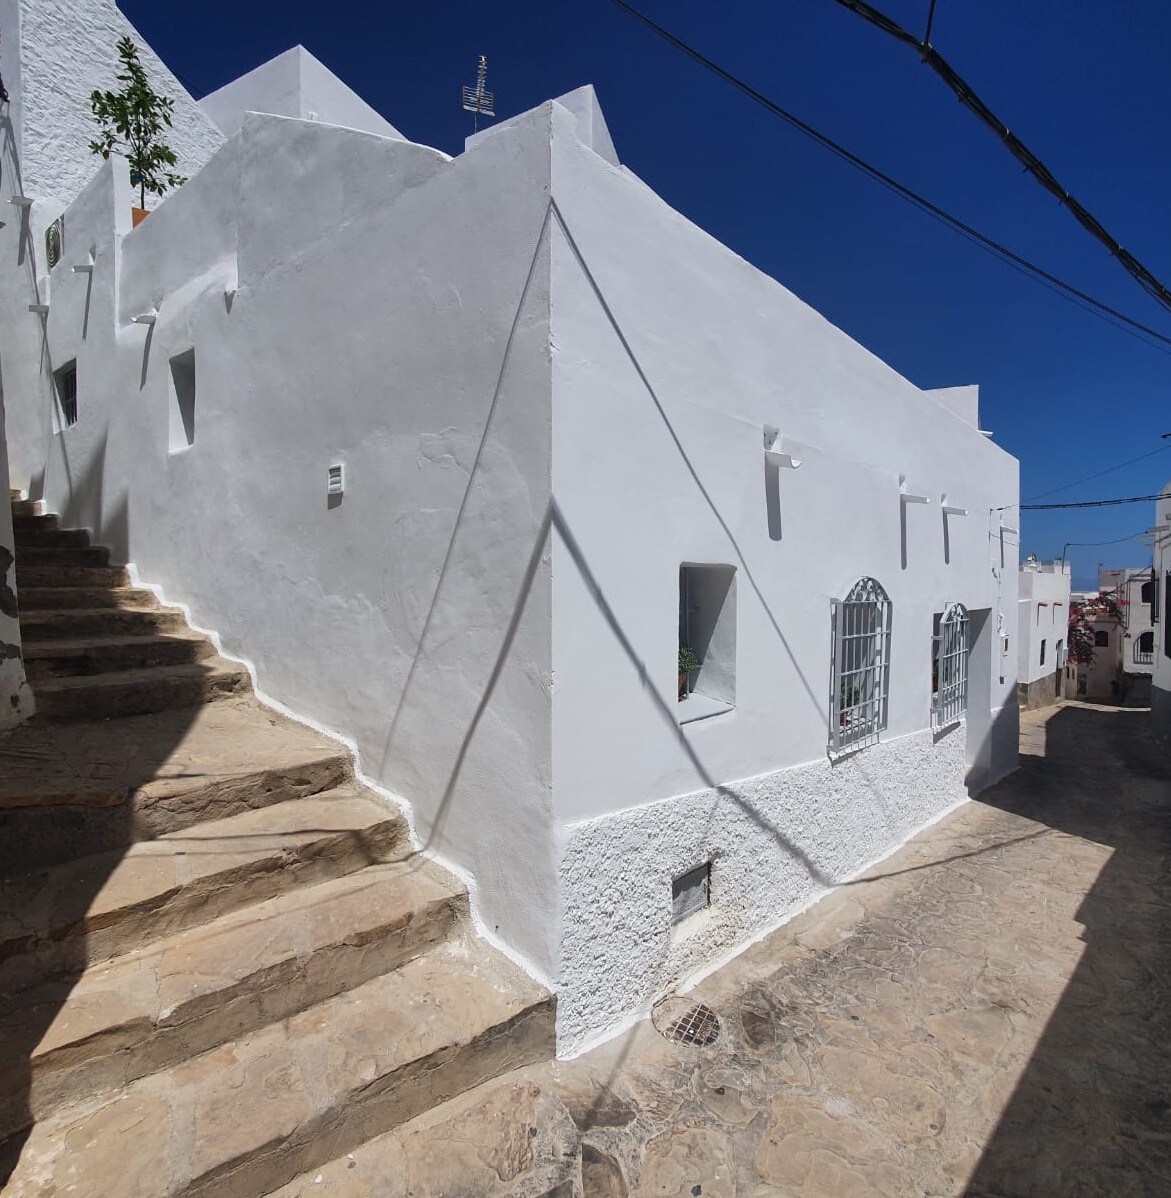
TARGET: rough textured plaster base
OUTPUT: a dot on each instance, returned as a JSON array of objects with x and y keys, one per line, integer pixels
[
  {"x": 1041, "y": 692},
  {"x": 619, "y": 949}
]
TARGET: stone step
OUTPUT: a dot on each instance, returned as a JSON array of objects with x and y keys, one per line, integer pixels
[
  {"x": 72, "y": 791},
  {"x": 59, "y": 598},
  {"x": 62, "y": 555},
  {"x": 72, "y": 623},
  {"x": 42, "y": 521},
  {"x": 28, "y": 507},
  {"x": 191, "y": 992},
  {"x": 28, "y": 575},
  {"x": 248, "y": 1117},
  {"x": 135, "y": 692},
  {"x": 49, "y": 537},
  {"x": 95, "y": 655},
  {"x": 66, "y": 918},
  {"x": 512, "y": 1135},
  {"x": 125, "y": 619}
]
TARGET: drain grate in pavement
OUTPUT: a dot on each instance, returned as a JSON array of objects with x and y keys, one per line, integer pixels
[{"x": 698, "y": 1025}]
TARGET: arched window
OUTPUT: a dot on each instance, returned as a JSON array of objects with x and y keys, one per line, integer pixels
[
  {"x": 860, "y": 672},
  {"x": 949, "y": 698}
]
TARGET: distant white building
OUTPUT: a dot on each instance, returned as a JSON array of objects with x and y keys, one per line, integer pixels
[
  {"x": 1136, "y": 593},
  {"x": 461, "y": 455},
  {"x": 1042, "y": 626},
  {"x": 1161, "y": 666}
]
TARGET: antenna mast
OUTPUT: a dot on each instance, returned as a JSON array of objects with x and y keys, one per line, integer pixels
[{"x": 478, "y": 100}]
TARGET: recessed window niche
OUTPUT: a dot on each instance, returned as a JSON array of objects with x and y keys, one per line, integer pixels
[
  {"x": 181, "y": 416},
  {"x": 707, "y": 640}
]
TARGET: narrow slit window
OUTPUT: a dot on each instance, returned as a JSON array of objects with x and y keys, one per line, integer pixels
[
  {"x": 65, "y": 388},
  {"x": 860, "y": 665},
  {"x": 1043, "y": 644},
  {"x": 181, "y": 419},
  {"x": 949, "y": 699}
]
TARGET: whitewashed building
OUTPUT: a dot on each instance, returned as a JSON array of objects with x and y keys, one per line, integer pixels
[
  {"x": 1161, "y": 666},
  {"x": 1042, "y": 627},
  {"x": 459, "y": 454},
  {"x": 1135, "y": 591}
]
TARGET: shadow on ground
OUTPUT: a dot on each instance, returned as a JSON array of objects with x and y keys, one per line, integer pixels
[
  {"x": 1091, "y": 1114},
  {"x": 65, "y": 797}
]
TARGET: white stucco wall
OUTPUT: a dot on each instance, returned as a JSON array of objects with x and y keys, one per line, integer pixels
[
  {"x": 671, "y": 355},
  {"x": 66, "y": 49},
  {"x": 16, "y": 700},
  {"x": 294, "y": 84},
  {"x": 543, "y": 408},
  {"x": 334, "y": 319},
  {"x": 1044, "y": 616},
  {"x": 963, "y": 402}
]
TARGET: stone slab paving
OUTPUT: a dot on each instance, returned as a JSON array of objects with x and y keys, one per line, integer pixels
[{"x": 987, "y": 1013}]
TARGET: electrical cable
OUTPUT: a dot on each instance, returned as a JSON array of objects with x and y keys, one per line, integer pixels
[
  {"x": 1108, "y": 470},
  {"x": 1017, "y": 148},
  {"x": 1098, "y": 307},
  {"x": 1052, "y": 507},
  {"x": 1095, "y": 544}
]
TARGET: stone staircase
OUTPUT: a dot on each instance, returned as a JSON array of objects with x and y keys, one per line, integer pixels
[{"x": 221, "y": 963}]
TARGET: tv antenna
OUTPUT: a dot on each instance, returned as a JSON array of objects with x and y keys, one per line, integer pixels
[{"x": 479, "y": 100}]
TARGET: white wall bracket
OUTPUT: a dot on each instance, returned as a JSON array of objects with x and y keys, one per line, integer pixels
[
  {"x": 83, "y": 268},
  {"x": 906, "y": 496},
  {"x": 21, "y": 201},
  {"x": 772, "y": 450},
  {"x": 144, "y": 318},
  {"x": 950, "y": 509}
]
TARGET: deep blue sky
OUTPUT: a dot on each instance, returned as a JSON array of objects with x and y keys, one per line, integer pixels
[{"x": 1082, "y": 82}]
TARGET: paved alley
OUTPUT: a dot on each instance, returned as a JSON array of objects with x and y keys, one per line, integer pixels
[{"x": 987, "y": 1013}]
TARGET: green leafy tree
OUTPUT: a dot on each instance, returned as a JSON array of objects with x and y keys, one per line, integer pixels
[{"x": 135, "y": 118}]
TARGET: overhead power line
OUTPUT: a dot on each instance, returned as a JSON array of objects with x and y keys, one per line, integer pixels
[
  {"x": 1082, "y": 299},
  {"x": 1017, "y": 148},
  {"x": 1052, "y": 507},
  {"x": 1134, "y": 536},
  {"x": 1014, "y": 145},
  {"x": 1108, "y": 470}
]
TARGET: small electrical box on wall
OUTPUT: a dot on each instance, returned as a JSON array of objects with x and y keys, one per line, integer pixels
[{"x": 335, "y": 480}]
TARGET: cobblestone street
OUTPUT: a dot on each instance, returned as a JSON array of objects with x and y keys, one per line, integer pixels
[{"x": 986, "y": 1013}]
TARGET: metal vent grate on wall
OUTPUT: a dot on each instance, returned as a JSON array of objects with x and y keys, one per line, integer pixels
[
  {"x": 691, "y": 892},
  {"x": 335, "y": 480}
]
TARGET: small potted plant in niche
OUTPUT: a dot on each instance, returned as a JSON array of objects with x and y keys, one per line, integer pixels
[
  {"x": 688, "y": 664},
  {"x": 132, "y": 121},
  {"x": 847, "y": 702}
]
